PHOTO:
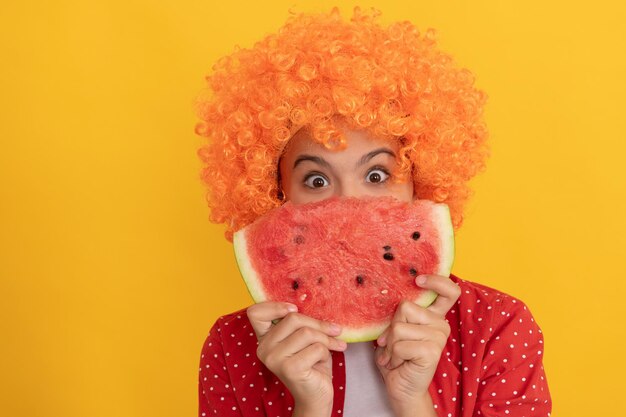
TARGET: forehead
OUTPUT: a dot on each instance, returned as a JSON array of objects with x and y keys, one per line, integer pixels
[{"x": 359, "y": 142}]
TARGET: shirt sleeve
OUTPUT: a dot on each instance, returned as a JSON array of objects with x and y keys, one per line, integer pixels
[
  {"x": 215, "y": 390},
  {"x": 513, "y": 381}
]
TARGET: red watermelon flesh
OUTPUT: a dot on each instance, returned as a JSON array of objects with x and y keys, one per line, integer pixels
[{"x": 347, "y": 260}]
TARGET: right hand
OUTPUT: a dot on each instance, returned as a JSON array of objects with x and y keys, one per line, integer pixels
[{"x": 297, "y": 351}]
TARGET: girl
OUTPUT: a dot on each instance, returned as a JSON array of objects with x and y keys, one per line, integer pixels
[{"x": 327, "y": 107}]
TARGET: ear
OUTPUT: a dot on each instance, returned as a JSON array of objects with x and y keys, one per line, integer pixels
[{"x": 280, "y": 194}]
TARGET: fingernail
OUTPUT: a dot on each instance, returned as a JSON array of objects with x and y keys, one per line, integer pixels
[
  {"x": 335, "y": 328},
  {"x": 421, "y": 280},
  {"x": 381, "y": 340},
  {"x": 292, "y": 308}
]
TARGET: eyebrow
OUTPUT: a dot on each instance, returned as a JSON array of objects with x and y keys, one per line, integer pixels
[{"x": 321, "y": 161}]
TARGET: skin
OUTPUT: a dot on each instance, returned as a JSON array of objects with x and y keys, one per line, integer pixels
[{"x": 297, "y": 349}]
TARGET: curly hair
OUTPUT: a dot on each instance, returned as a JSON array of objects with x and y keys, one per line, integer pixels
[{"x": 391, "y": 81}]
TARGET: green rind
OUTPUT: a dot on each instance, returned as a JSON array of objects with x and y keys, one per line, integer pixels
[
  {"x": 250, "y": 277},
  {"x": 444, "y": 223}
]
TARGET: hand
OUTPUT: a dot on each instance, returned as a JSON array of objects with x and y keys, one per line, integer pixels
[
  {"x": 297, "y": 351},
  {"x": 409, "y": 349}
]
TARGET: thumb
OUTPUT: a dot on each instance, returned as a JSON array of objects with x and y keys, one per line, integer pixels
[
  {"x": 378, "y": 353},
  {"x": 263, "y": 315}
]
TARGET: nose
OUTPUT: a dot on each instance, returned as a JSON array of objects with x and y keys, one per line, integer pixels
[{"x": 348, "y": 189}]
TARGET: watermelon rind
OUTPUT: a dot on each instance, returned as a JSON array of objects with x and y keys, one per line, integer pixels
[
  {"x": 444, "y": 223},
  {"x": 362, "y": 333},
  {"x": 250, "y": 277}
]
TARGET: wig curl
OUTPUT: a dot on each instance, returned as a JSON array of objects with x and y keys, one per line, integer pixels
[{"x": 392, "y": 81}]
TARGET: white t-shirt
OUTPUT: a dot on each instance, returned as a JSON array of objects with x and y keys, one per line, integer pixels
[{"x": 366, "y": 394}]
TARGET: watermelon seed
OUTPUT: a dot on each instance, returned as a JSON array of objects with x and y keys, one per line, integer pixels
[
  {"x": 387, "y": 247},
  {"x": 388, "y": 256},
  {"x": 359, "y": 280},
  {"x": 384, "y": 291},
  {"x": 413, "y": 272},
  {"x": 303, "y": 297},
  {"x": 299, "y": 239},
  {"x": 416, "y": 235},
  {"x": 295, "y": 285},
  {"x": 319, "y": 280}
]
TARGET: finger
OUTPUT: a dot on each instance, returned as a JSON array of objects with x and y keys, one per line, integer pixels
[
  {"x": 382, "y": 368},
  {"x": 409, "y": 312},
  {"x": 401, "y": 332},
  {"x": 304, "y": 337},
  {"x": 294, "y": 321},
  {"x": 306, "y": 359},
  {"x": 422, "y": 353},
  {"x": 448, "y": 291},
  {"x": 262, "y": 314}
]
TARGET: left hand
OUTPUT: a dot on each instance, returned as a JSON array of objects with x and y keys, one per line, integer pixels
[{"x": 409, "y": 349}]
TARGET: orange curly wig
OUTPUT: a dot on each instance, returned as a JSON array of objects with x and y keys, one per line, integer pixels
[{"x": 391, "y": 81}]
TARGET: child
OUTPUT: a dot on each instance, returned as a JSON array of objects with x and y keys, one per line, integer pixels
[{"x": 327, "y": 107}]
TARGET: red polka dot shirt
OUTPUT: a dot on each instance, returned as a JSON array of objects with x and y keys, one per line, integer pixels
[{"x": 491, "y": 365}]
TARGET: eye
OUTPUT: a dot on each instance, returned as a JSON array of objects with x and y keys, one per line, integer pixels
[
  {"x": 315, "y": 181},
  {"x": 377, "y": 175}
]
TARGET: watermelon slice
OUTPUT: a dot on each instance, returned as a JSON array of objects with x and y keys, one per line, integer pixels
[{"x": 347, "y": 260}]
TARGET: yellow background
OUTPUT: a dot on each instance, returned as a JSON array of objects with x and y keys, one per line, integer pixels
[{"x": 111, "y": 274}]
